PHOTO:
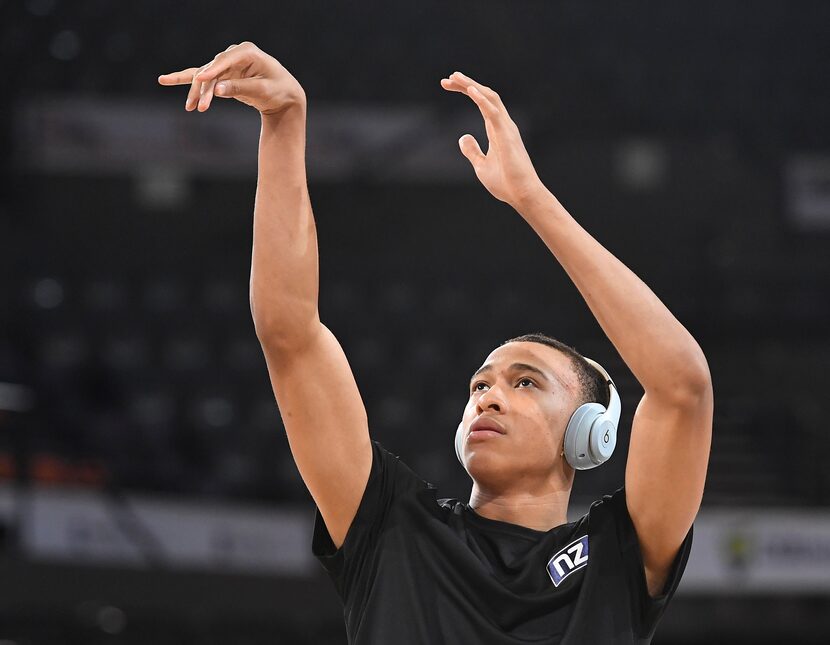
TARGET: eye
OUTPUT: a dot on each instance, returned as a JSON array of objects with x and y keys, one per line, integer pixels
[{"x": 475, "y": 387}]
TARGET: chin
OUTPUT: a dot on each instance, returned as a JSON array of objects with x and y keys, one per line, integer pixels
[{"x": 483, "y": 467}]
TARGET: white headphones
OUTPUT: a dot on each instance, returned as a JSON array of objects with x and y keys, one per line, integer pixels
[{"x": 591, "y": 435}]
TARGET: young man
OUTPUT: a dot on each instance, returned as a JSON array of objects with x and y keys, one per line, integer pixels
[{"x": 507, "y": 567}]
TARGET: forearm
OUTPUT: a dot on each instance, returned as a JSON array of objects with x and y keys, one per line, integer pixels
[
  {"x": 284, "y": 262},
  {"x": 661, "y": 353}
]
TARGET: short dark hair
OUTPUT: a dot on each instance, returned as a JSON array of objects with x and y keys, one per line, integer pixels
[{"x": 593, "y": 387}]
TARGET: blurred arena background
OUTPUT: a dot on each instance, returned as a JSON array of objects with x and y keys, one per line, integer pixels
[{"x": 147, "y": 492}]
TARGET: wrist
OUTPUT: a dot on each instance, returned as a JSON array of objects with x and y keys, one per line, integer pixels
[
  {"x": 534, "y": 201},
  {"x": 292, "y": 115}
]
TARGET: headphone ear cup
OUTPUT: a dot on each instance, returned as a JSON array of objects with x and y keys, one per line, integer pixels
[
  {"x": 459, "y": 442},
  {"x": 578, "y": 449},
  {"x": 603, "y": 440}
]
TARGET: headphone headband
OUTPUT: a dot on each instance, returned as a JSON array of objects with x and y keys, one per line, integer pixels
[{"x": 614, "y": 406}]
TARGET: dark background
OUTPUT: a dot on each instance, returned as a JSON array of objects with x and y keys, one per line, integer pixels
[{"x": 131, "y": 325}]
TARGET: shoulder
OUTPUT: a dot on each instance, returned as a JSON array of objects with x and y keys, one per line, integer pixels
[
  {"x": 610, "y": 516},
  {"x": 389, "y": 470},
  {"x": 391, "y": 488},
  {"x": 391, "y": 459}
]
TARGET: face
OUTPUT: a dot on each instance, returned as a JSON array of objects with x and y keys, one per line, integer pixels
[{"x": 530, "y": 391}]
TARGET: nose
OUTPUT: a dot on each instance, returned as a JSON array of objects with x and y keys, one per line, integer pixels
[{"x": 490, "y": 400}]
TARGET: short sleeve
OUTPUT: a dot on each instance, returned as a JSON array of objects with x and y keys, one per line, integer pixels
[
  {"x": 647, "y": 610},
  {"x": 389, "y": 478}
]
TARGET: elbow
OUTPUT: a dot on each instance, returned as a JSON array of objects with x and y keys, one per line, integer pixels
[
  {"x": 699, "y": 378},
  {"x": 687, "y": 384},
  {"x": 698, "y": 390},
  {"x": 277, "y": 344},
  {"x": 286, "y": 333}
]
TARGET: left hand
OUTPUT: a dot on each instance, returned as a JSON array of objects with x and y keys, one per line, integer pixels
[{"x": 506, "y": 170}]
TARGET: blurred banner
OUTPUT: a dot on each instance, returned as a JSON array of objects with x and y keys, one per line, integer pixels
[
  {"x": 739, "y": 550},
  {"x": 760, "y": 551},
  {"x": 87, "y": 135},
  {"x": 86, "y": 527},
  {"x": 807, "y": 180}
]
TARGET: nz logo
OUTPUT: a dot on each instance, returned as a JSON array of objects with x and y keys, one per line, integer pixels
[{"x": 572, "y": 558}]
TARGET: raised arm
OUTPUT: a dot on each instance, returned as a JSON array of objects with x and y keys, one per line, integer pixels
[
  {"x": 321, "y": 408},
  {"x": 671, "y": 434}
]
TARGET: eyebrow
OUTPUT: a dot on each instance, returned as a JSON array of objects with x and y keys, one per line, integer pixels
[{"x": 519, "y": 367}]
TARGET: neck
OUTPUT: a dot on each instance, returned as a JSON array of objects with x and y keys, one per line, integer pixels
[{"x": 539, "y": 510}]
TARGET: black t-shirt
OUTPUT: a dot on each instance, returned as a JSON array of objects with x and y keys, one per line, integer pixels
[{"x": 414, "y": 568}]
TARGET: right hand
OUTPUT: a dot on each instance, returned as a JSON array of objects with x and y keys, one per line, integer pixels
[{"x": 243, "y": 72}]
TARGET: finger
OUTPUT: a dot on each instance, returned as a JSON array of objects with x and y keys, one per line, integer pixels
[
  {"x": 489, "y": 110},
  {"x": 207, "y": 95},
  {"x": 492, "y": 108},
  {"x": 183, "y": 77},
  {"x": 197, "y": 87},
  {"x": 466, "y": 81},
  {"x": 233, "y": 55},
  {"x": 209, "y": 66},
  {"x": 451, "y": 85},
  {"x": 230, "y": 88},
  {"x": 470, "y": 149},
  {"x": 195, "y": 92},
  {"x": 454, "y": 84}
]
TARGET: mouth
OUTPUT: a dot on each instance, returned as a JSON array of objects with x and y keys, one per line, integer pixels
[
  {"x": 483, "y": 434},
  {"x": 485, "y": 426}
]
